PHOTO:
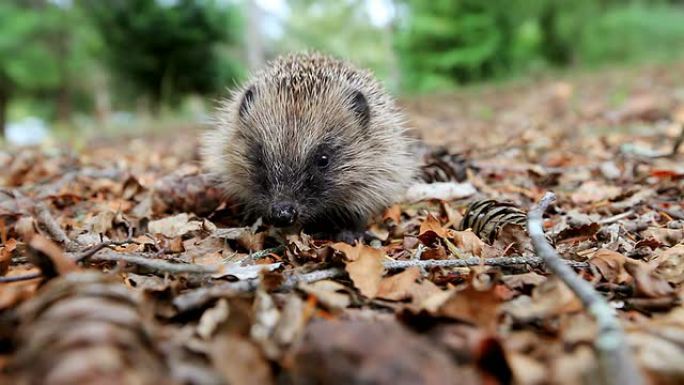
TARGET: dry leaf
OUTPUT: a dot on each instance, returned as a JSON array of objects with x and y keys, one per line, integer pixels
[
  {"x": 211, "y": 319},
  {"x": 6, "y": 255},
  {"x": 468, "y": 242},
  {"x": 647, "y": 282},
  {"x": 399, "y": 287},
  {"x": 330, "y": 293},
  {"x": 431, "y": 230},
  {"x": 175, "y": 226},
  {"x": 367, "y": 270},
  {"x": 393, "y": 213},
  {"x": 670, "y": 264},
  {"x": 593, "y": 191},
  {"x": 664, "y": 236},
  {"x": 476, "y": 307},
  {"x": 611, "y": 265}
]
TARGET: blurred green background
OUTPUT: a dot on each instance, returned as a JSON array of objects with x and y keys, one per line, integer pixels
[{"x": 90, "y": 66}]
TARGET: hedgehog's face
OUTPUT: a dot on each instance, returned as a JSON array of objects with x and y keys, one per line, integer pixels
[{"x": 301, "y": 152}]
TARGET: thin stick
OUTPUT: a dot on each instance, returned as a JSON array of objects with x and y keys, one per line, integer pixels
[
  {"x": 255, "y": 256},
  {"x": 615, "y": 218},
  {"x": 615, "y": 360},
  {"x": 196, "y": 298},
  {"x": 19, "y": 278},
  {"x": 152, "y": 263},
  {"x": 94, "y": 249},
  {"x": 678, "y": 142},
  {"x": 475, "y": 261}
]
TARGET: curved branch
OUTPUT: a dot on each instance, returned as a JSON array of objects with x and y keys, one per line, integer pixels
[{"x": 616, "y": 363}]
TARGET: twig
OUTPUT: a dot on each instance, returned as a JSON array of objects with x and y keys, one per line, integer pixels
[
  {"x": 196, "y": 298},
  {"x": 615, "y": 361},
  {"x": 19, "y": 278},
  {"x": 475, "y": 261},
  {"x": 45, "y": 218},
  {"x": 153, "y": 263},
  {"x": 94, "y": 249},
  {"x": 615, "y": 218},
  {"x": 678, "y": 142},
  {"x": 261, "y": 254},
  {"x": 419, "y": 252}
]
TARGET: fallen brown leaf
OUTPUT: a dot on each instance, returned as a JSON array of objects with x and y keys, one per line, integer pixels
[{"x": 367, "y": 270}]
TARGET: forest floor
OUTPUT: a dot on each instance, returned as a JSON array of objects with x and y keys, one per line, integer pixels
[{"x": 119, "y": 263}]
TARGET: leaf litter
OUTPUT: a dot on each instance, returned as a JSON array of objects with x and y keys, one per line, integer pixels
[{"x": 119, "y": 265}]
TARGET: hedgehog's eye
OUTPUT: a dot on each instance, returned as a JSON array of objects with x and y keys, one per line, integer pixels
[{"x": 322, "y": 161}]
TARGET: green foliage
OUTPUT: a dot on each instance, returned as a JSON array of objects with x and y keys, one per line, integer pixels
[
  {"x": 444, "y": 43},
  {"x": 633, "y": 33},
  {"x": 167, "y": 49},
  {"x": 26, "y": 59},
  {"x": 447, "y": 41}
]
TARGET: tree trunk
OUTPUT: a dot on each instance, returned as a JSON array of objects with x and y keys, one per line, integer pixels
[
  {"x": 64, "y": 103},
  {"x": 255, "y": 49},
  {"x": 4, "y": 101}
]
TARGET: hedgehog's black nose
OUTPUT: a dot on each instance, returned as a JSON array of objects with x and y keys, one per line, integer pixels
[{"x": 282, "y": 214}]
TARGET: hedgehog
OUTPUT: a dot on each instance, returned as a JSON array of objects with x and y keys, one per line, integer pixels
[{"x": 311, "y": 143}]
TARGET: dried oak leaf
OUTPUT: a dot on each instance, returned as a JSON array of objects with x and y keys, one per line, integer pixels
[
  {"x": 174, "y": 226},
  {"x": 364, "y": 266},
  {"x": 523, "y": 281},
  {"x": 407, "y": 285},
  {"x": 665, "y": 236},
  {"x": 592, "y": 191},
  {"x": 476, "y": 307},
  {"x": 330, "y": 293},
  {"x": 6, "y": 255},
  {"x": 582, "y": 231},
  {"x": 670, "y": 264},
  {"x": 611, "y": 265},
  {"x": 551, "y": 298},
  {"x": 430, "y": 230},
  {"x": 646, "y": 280},
  {"x": 468, "y": 242},
  {"x": 393, "y": 213},
  {"x": 513, "y": 238}
]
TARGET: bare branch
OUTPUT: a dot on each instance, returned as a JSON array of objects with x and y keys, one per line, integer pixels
[
  {"x": 196, "y": 298},
  {"x": 153, "y": 263},
  {"x": 255, "y": 256},
  {"x": 85, "y": 254},
  {"x": 615, "y": 360},
  {"x": 475, "y": 261},
  {"x": 19, "y": 278}
]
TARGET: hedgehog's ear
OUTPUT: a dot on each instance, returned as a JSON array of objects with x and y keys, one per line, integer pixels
[
  {"x": 246, "y": 102},
  {"x": 360, "y": 108}
]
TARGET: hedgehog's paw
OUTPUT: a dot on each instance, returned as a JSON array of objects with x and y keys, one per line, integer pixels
[{"x": 353, "y": 236}]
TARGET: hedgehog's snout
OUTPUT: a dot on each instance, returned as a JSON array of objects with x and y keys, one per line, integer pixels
[{"x": 282, "y": 214}]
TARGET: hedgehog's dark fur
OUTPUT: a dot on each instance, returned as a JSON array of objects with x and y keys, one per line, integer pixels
[{"x": 316, "y": 133}]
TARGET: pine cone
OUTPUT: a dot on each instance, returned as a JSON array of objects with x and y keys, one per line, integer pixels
[
  {"x": 487, "y": 217},
  {"x": 82, "y": 328}
]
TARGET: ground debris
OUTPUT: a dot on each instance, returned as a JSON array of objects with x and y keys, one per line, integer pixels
[{"x": 446, "y": 287}]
